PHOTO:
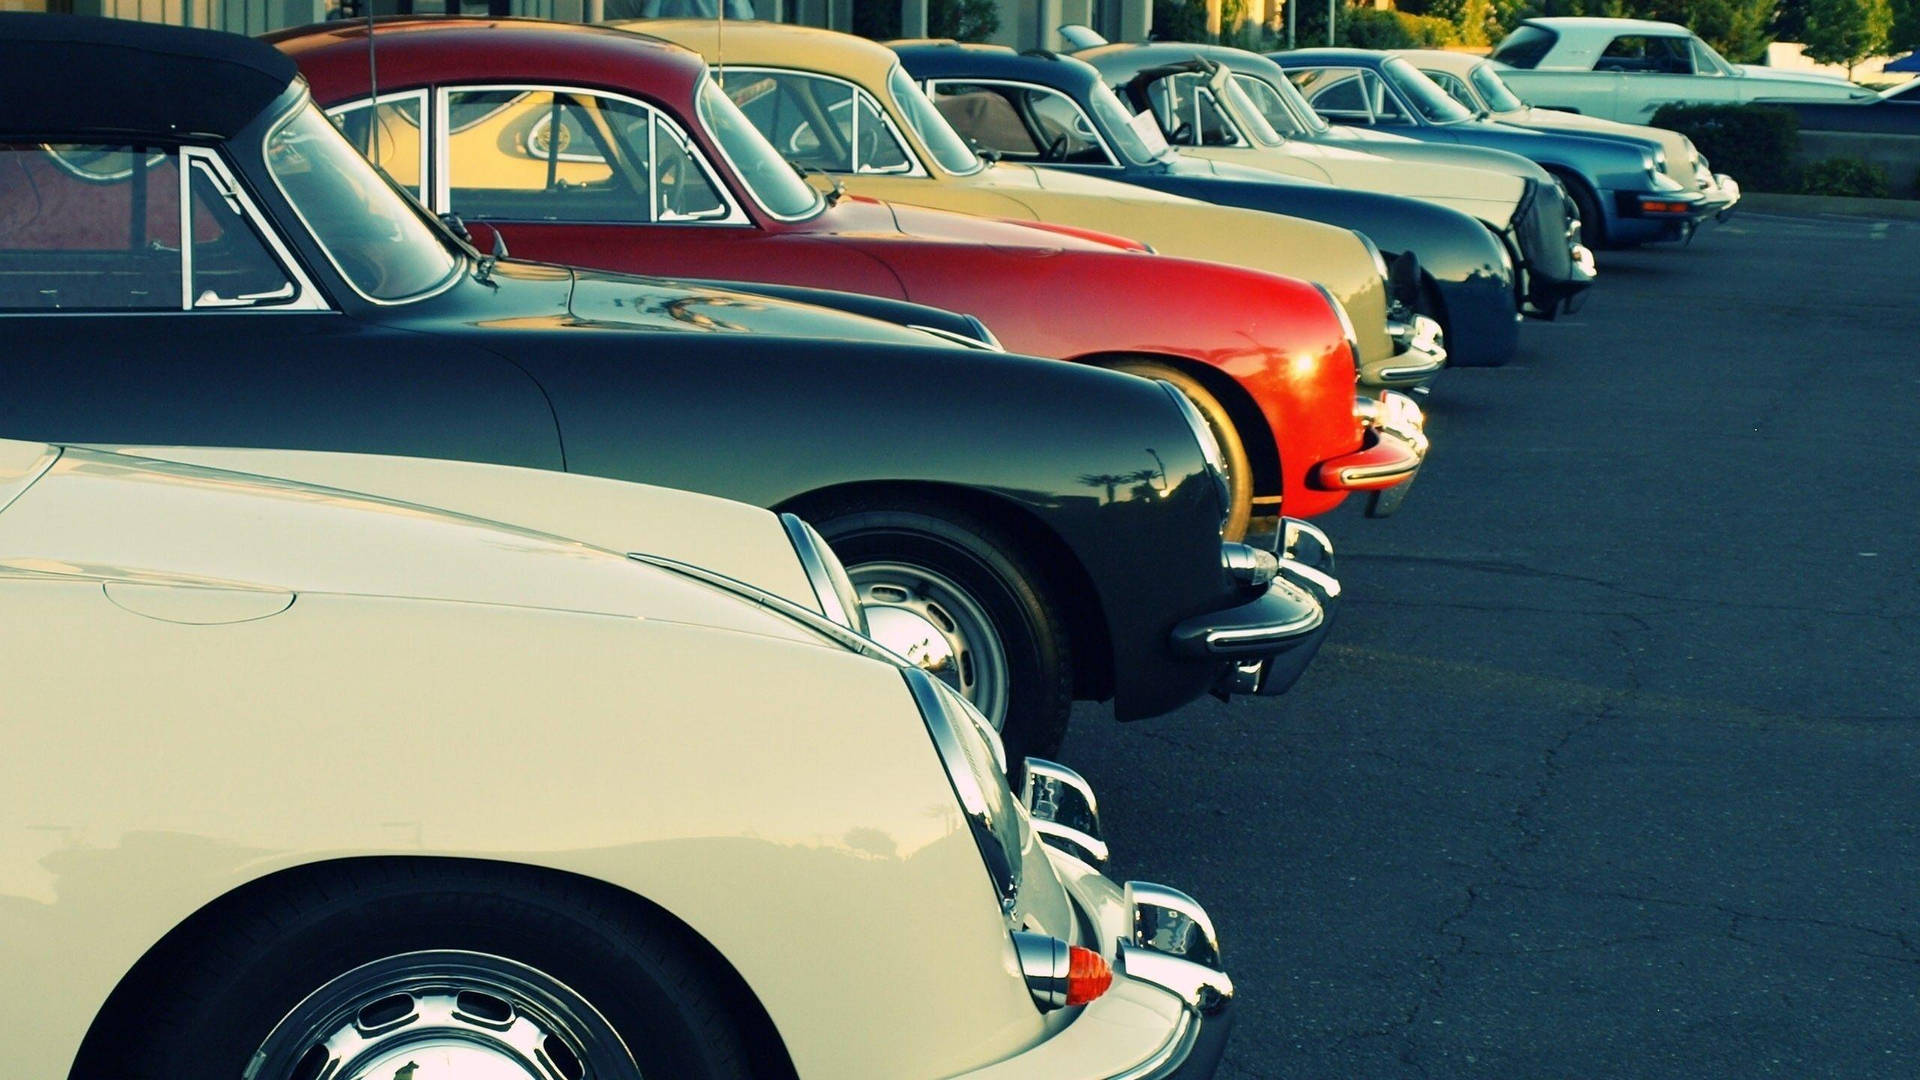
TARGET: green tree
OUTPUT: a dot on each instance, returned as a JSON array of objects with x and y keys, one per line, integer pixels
[
  {"x": 1847, "y": 31},
  {"x": 1905, "y": 35},
  {"x": 962, "y": 20}
]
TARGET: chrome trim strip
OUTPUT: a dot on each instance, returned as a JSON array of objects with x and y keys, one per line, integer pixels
[
  {"x": 812, "y": 620},
  {"x": 18, "y": 487},
  {"x": 306, "y": 298},
  {"x": 183, "y": 172}
]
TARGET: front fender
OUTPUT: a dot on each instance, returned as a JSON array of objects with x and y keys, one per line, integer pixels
[
  {"x": 1104, "y": 462},
  {"x": 703, "y": 770}
]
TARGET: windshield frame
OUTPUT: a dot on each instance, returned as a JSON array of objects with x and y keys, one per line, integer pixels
[
  {"x": 1232, "y": 100},
  {"x": 1122, "y": 117},
  {"x": 700, "y": 98},
  {"x": 889, "y": 94},
  {"x": 459, "y": 257},
  {"x": 1405, "y": 79}
]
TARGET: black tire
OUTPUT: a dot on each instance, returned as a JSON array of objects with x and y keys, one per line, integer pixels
[
  {"x": 256, "y": 980},
  {"x": 1225, "y": 432},
  {"x": 877, "y": 539},
  {"x": 1593, "y": 227}
]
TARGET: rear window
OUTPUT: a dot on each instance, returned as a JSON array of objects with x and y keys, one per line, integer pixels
[{"x": 1526, "y": 46}]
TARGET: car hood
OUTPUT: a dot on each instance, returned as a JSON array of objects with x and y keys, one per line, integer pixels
[
  {"x": 536, "y": 295},
  {"x": 1191, "y": 229},
  {"x": 184, "y": 543}
]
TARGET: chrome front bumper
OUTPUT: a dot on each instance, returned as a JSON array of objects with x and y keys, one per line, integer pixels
[
  {"x": 1267, "y": 642},
  {"x": 1170, "y": 1008}
]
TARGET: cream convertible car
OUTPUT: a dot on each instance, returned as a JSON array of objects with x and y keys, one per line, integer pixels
[{"x": 308, "y": 783}]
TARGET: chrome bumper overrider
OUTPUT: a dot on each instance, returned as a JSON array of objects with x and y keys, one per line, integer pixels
[
  {"x": 1419, "y": 354},
  {"x": 1267, "y": 641},
  {"x": 1169, "y": 1011},
  {"x": 1398, "y": 415}
]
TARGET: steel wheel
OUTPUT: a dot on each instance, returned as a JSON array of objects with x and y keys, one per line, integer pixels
[
  {"x": 444, "y": 1015},
  {"x": 930, "y": 620}
]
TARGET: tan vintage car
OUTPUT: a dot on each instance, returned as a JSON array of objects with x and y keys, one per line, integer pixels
[
  {"x": 303, "y": 781},
  {"x": 930, "y": 165}
]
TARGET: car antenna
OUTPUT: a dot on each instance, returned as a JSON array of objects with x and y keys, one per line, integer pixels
[
  {"x": 373, "y": 89},
  {"x": 720, "y": 43},
  {"x": 483, "y": 273}
]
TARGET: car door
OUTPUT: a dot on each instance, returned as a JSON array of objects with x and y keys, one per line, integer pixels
[
  {"x": 145, "y": 298},
  {"x": 1656, "y": 69}
]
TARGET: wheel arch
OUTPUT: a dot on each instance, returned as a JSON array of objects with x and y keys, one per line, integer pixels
[
  {"x": 99, "y": 1050},
  {"x": 1067, "y": 582},
  {"x": 1594, "y": 232},
  {"x": 1256, "y": 434}
]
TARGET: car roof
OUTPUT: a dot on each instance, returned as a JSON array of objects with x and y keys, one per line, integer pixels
[
  {"x": 1610, "y": 26},
  {"x": 933, "y": 59},
  {"x": 415, "y": 50},
  {"x": 83, "y": 74},
  {"x": 1118, "y": 58},
  {"x": 1444, "y": 59},
  {"x": 757, "y": 43},
  {"x": 1361, "y": 57}
]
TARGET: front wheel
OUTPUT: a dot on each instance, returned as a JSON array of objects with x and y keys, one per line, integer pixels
[
  {"x": 1225, "y": 433},
  {"x": 427, "y": 973},
  {"x": 1593, "y": 226},
  {"x": 958, "y": 596}
]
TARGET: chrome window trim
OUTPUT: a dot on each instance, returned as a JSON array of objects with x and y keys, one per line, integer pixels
[
  {"x": 820, "y": 203},
  {"x": 915, "y": 167},
  {"x": 303, "y": 101},
  {"x": 932, "y": 86},
  {"x": 443, "y": 188},
  {"x": 306, "y": 297},
  {"x": 426, "y": 136}
]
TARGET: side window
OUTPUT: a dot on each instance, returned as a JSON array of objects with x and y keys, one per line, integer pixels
[
  {"x": 1647, "y": 55},
  {"x": 1069, "y": 135},
  {"x": 98, "y": 228},
  {"x": 1338, "y": 93},
  {"x": 1455, "y": 89},
  {"x": 986, "y": 115},
  {"x": 540, "y": 155},
  {"x": 1703, "y": 61},
  {"x": 89, "y": 228},
  {"x": 877, "y": 149},
  {"x": 1188, "y": 114},
  {"x": 389, "y": 136},
  {"x": 231, "y": 264},
  {"x": 1386, "y": 107}
]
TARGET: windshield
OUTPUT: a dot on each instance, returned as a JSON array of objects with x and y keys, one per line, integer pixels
[
  {"x": 1140, "y": 142},
  {"x": 766, "y": 174},
  {"x": 1291, "y": 102},
  {"x": 1270, "y": 105},
  {"x": 1493, "y": 90},
  {"x": 1245, "y": 113},
  {"x": 1433, "y": 103},
  {"x": 932, "y": 129},
  {"x": 367, "y": 228}
]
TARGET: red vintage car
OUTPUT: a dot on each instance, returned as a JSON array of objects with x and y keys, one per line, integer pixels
[{"x": 597, "y": 147}]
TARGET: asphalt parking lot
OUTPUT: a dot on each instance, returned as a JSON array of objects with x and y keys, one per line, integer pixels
[{"x": 1611, "y": 765}]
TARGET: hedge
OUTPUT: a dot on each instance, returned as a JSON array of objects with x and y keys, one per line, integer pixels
[
  {"x": 1754, "y": 144},
  {"x": 1845, "y": 176}
]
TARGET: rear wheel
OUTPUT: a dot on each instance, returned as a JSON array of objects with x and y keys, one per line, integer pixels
[
  {"x": 425, "y": 973},
  {"x": 956, "y": 595},
  {"x": 1225, "y": 432}
]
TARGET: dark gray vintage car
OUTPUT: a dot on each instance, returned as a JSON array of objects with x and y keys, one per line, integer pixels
[{"x": 190, "y": 253}]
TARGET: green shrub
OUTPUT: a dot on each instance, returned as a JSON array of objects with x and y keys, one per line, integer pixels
[
  {"x": 1853, "y": 176},
  {"x": 1180, "y": 20},
  {"x": 1754, "y": 144},
  {"x": 1371, "y": 28}
]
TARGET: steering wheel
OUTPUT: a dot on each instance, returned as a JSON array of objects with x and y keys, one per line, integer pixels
[{"x": 1057, "y": 149}]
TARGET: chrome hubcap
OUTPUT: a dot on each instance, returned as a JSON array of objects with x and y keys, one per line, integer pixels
[
  {"x": 443, "y": 1015},
  {"x": 938, "y": 626}
]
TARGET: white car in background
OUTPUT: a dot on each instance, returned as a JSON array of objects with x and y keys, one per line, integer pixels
[
  {"x": 1477, "y": 83},
  {"x": 572, "y": 780},
  {"x": 1625, "y": 69}
]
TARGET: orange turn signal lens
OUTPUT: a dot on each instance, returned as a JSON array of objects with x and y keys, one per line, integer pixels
[{"x": 1088, "y": 975}]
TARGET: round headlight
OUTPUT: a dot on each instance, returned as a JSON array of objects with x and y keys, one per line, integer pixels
[
  {"x": 839, "y": 600},
  {"x": 976, "y": 764}
]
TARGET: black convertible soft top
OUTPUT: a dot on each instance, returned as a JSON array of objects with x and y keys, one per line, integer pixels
[{"x": 77, "y": 74}]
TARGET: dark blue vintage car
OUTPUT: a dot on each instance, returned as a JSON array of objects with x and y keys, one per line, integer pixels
[
  {"x": 1058, "y": 112},
  {"x": 1617, "y": 183}
]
